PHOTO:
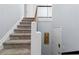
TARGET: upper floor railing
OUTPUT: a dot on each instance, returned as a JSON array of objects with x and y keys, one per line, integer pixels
[{"x": 37, "y": 11}]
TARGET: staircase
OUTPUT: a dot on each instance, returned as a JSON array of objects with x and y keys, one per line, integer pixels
[{"x": 19, "y": 42}]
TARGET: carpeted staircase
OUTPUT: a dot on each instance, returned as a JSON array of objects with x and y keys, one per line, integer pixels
[{"x": 20, "y": 40}]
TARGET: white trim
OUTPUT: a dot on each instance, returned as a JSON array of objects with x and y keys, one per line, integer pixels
[
  {"x": 35, "y": 40},
  {"x": 6, "y": 36},
  {"x": 44, "y": 19},
  {"x": 36, "y": 43}
]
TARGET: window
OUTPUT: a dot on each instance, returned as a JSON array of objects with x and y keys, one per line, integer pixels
[{"x": 44, "y": 12}]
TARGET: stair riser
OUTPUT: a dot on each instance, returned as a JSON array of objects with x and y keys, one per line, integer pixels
[
  {"x": 10, "y": 46},
  {"x": 20, "y": 38},
  {"x": 27, "y": 19},
  {"x": 25, "y": 22},
  {"x": 22, "y": 31},
  {"x": 25, "y": 27}
]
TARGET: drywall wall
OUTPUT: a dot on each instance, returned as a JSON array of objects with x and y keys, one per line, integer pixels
[
  {"x": 30, "y": 10},
  {"x": 67, "y": 17},
  {"x": 9, "y": 15},
  {"x": 45, "y": 26}
]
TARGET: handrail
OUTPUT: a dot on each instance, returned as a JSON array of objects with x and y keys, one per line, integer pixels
[
  {"x": 36, "y": 13},
  {"x": 37, "y": 9},
  {"x": 35, "y": 17}
]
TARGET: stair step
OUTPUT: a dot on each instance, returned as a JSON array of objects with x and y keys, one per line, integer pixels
[
  {"x": 21, "y": 51},
  {"x": 17, "y": 44},
  {"x": 22, "y": 30},
  {"x": 20, "y": 36},
  {"x": 24, "y": 23},
  {"x": 22, "y": 26},
  {"x": 27, "y": 20}
]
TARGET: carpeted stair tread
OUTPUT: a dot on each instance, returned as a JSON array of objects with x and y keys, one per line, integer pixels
[
  {"x": 24, "y": 25},
  {"x": 20, "y": 34},
  {"x": 21, "y": 51},
  {"x": 18, "y": 42},
  {"x": 23, "y": 29}
]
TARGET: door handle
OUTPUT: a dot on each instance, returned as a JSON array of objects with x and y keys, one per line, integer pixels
[{"x": 59, "y": 45}]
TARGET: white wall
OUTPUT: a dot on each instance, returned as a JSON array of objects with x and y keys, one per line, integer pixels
[
  {"x": 9, "y": 15},
  {"x": 67, "y": 17},
  {"x": 45, "y": 26},
  {"x": 30, "y": 10}
]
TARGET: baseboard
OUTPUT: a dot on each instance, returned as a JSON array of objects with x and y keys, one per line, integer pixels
[{"x": 71, "y": 53}]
